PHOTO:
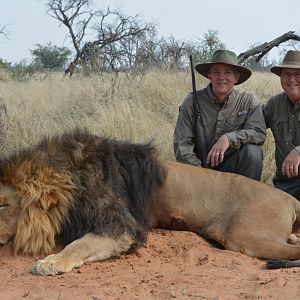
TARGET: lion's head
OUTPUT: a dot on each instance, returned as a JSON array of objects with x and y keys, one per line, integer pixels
[{"x": 33, "y": 207}]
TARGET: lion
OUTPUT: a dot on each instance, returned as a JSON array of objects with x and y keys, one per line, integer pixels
[{"x": 99, "y": 197}]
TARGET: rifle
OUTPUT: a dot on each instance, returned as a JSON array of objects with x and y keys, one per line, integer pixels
[{"x": 200, "y": 145}]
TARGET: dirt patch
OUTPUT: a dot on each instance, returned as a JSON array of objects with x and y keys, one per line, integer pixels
[{"x": 173, "y": 265}]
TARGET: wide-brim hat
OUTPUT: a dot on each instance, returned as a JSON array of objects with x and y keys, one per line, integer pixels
[
  {"x": 228, "y": 58},
  {"x": 291, "y": 60}
]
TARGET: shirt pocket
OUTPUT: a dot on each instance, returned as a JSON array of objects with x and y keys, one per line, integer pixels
[
  {"x": 280, "y": 129},
  {"x": 234, "y": 123}
]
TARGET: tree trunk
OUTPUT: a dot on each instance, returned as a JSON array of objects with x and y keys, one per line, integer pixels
[{"x": 264, "y": 48}]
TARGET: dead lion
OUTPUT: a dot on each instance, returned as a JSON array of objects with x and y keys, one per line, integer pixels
[{"x": 100, "y": 196}]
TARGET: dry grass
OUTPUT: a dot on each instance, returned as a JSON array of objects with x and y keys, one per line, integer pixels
[{"x": 138, "y": 108}]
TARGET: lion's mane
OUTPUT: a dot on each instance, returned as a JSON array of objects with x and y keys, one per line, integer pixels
[{"x": 77, "y": 183}]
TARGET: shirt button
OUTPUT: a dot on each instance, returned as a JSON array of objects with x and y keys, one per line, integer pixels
[
  {"x": 287, "y": 143},
  {"x": 291, "y": 130}
]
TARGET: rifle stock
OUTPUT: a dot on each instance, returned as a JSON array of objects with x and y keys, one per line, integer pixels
[{"x": 200, "y": 144}]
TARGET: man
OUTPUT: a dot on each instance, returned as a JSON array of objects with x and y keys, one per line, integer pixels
[
  {"x": 233, "y": 122},
  {"x": 282, "y": 115}
]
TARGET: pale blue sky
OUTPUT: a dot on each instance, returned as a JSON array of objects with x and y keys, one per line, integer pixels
[{"x": 240, "y": 23}]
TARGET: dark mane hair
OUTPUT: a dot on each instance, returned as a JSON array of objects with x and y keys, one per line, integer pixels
[{"x": 115, "y": 181}]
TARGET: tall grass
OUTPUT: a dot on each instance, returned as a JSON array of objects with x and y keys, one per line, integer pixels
[{"x": 131, "y": 107}]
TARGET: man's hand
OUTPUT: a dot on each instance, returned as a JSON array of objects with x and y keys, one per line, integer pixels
[
  {"x": 216, "y": 153},
  {"x": 291, "y": 163}
]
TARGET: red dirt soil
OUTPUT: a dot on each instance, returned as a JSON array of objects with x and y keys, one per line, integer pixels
[{"x": 173, "y": 265}]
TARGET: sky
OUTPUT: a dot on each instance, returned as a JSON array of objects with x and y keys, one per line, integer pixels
[{"x": 239, "y": 23}]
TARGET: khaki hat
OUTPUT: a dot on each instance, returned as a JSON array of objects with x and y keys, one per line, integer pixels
[
  {"x": 291, "y": 61},
  {"x": 224, "y": 57}
]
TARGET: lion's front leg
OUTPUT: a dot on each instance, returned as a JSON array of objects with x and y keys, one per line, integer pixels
[{"x": 89, "y": 248}]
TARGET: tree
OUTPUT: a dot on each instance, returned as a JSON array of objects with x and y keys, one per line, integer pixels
[
  {"x": 3, "y": 31},
  {"x": 4, "y": 64},
  {"x": 174, "y": 52},
  {"x": 206, "y": 46},
  {"x": 50, "y": 56},
  {"x": 261, "y": 50},
  {"x": 105, "y": 27}
]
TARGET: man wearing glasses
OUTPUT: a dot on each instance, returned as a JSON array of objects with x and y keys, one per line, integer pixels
[
  {"x": 233, "y": 122},
  {"x": 282, "y": 115}
]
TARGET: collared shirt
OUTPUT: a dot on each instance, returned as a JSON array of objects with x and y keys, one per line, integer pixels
[
  {"x": 240, "y": 118},
  {"x": 284, "y": 120}
]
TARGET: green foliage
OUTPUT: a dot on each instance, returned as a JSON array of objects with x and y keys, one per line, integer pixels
[
  {"x": 5, "y": 64},
  {"x": 50, "y": 57},
  {"x": 19, "y": 71},
  {"x": 22, "y": 72}
]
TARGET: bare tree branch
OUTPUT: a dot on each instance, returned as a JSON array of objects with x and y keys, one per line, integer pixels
[
  {"x": 111, "y": 28},
  {"x": 69, "y": 13},
  {"x": 107, "y": 34},
  {"x": 3, "y": 31},
  {"x": 264, "y": 48}
]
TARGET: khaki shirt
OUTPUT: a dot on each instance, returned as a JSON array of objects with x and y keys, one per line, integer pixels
[
  {"x": 284, "y": 120},
  {"x": 240, "y": 118}
]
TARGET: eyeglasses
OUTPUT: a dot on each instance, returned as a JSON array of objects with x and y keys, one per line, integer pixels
[{"x": 285, "y": 75}]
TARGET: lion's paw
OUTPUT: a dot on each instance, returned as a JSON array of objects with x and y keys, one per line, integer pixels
[
  {"x": 294, "y": 239},
  {"x": 52, "y": 265}
]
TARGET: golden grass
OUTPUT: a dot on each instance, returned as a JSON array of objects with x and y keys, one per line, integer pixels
[{"x": 125, "y": 106}]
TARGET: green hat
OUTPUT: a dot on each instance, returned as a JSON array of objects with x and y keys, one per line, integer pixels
[
  {"x": 291, "y": 60},
  {"x": 224, "y": 57}
]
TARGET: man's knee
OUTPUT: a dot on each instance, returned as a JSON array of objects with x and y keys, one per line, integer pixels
[
  {"x": 291, "y": 186},
  {"x": 252, "y": 153},
  {"x": 250, "y": 161}
]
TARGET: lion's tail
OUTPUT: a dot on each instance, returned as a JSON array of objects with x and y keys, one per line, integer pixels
[{"x": 279, "y": 264}]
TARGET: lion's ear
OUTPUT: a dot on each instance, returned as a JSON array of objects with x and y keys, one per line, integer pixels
[{"x": 45, "y": 200}]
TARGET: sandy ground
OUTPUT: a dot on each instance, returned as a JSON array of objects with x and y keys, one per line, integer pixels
[{"x": 173, "y": 265}]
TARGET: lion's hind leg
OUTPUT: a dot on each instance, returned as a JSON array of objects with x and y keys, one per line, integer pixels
[
  {"x": 87, "y": 249},
  {"x": 263, "y": 245}
]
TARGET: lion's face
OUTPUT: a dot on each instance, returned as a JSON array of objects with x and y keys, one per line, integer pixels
[{"x": 9, "y": 213}]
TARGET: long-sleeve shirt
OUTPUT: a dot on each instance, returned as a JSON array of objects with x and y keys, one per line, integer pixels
[
  {"x": 284, "y": 120},
  {"x": 240, "y": 118}
]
